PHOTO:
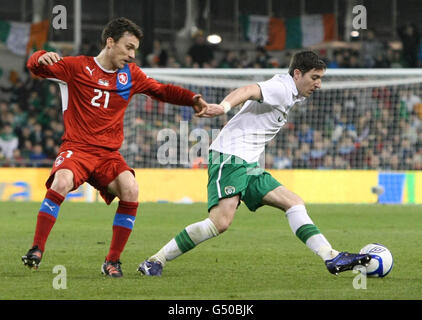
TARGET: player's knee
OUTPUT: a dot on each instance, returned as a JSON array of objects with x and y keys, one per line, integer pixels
[
  {"x": 222, "y": 215},
  {"x": 62, "y": 184},
  {"x": 222, "y": 219},
  {"x": 223, "y": 224},
  {"x": 130, "y": 192},
  {"x": 294, "y": 201},
  {"x": 287, "y": 199}
]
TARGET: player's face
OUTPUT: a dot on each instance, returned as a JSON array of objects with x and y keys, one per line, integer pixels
[
  {"x": 309, "y": 82},
  {"x": 123, "y": 51}
]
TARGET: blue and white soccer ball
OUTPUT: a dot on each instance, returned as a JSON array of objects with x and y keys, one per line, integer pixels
[{"x": 381, "y": 262}]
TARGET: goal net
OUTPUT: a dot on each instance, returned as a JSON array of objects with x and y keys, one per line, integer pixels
[{"x": 360, "y": 119}]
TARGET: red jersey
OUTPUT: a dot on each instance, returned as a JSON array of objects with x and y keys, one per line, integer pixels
[{"x": 94, "y": 100}]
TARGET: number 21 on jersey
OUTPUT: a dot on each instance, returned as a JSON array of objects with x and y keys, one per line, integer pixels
[{"x": 98, "y": 94}]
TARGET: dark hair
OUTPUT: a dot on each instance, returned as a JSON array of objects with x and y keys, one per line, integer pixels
[
  {"x": 306, "y": 61},
  {"x": 117, "y": 27}
]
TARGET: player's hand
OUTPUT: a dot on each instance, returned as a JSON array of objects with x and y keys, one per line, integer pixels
[
  {"x": 49, "y": 58},
  {"x": 213, "y": 110},
  {"x": 199, "y": 105}
]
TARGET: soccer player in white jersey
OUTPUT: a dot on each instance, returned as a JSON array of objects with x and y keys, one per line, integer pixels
[{"x": 234, "y": 174}]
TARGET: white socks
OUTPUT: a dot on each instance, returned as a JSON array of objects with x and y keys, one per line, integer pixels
[
  {"x": 186, "y": 240},
  {"x": 303, "y": 227},
  {"x": 299, "y": 222}
]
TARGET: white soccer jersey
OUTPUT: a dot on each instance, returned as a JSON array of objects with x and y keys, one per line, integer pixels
[{"x": 258, "y": 122}]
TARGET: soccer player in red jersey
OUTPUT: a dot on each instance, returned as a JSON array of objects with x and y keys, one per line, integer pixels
[{"x": 95, "y": 93}]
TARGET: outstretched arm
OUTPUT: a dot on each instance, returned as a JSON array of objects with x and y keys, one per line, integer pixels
[
  {"x": 169, "y": 93},
  {"x": 49, "y": 65},
  {"x": 199, "y": 105},
  {"x": 237, "y": 97}
]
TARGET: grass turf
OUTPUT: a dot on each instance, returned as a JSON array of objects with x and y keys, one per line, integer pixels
[{"x": 258, "y": 258}]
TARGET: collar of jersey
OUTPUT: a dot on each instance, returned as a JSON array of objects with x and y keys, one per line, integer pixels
[
  {"x": 101, "y": 67},
  {"x": 296, "y": 96}
]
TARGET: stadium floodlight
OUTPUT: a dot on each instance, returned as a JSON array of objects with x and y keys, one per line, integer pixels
[
  {"x": 214, "y": 39},
  {"x": 354, "y": 34}
]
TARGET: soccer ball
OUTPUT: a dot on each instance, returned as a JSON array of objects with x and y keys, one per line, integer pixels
[{"x": 381, "y": 262}]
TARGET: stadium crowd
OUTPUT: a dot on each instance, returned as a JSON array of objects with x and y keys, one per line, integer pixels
[
  {"x": 382, "y": 132},
  {"x": 377, "y": 128}
]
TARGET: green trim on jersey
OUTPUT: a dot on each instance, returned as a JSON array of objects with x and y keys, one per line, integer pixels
[{"x": 229, "y": 176}]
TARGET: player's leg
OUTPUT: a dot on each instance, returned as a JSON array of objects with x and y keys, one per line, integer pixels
[
  {"x": 226, "y": 181},
  {"x": 304, "y": 228},
  {"x": 47, "y": 215},
  {"x": 299, "y": 221},
  {"x": 219, "y": 220},
  {"x": 125, "y": 187}
]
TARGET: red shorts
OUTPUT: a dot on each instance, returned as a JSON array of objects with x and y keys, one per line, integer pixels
[{"x": 91, "y": 164}]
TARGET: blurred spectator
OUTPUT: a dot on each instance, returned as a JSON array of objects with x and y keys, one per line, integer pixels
[
  {"x": 8, "y": 141},
  {"x": 306, "y": 134},
  {"x": 172, "y": 62},
  {"x": 89, "y": 48},
  {"x": 302, "y": 157},
  {"x": 292, "y": 142},
  {"x": 158, "y": 57},
  {"x": 374, "y": 162},
  {"x": 229, "y": 60},
  {"x": 37, "y": 135},
  {"x": 354, "y": 61},
  {"x": 51, "y": 96},
  {"x": 262, "y": 58},
  {"x": 327, "y": 163},
  {"x": 408, "y": 131},
  {"x": 38, "y": 158},
  {"x": 188, "y": 62},
  {"x": 269, "y": 161},
  {"x": 317, "y": 154},
  {"x": 371, "y": 50},
  {"x": 410, "y": 40},
  {"x": 338, "y": 61},
  {"x": 343, "y": 126},
  {"x": 417, "y": 109},
  {"x": 405, "y": 151},
  {"x": 19, "y": 117},
  {"x": 346, "y": 147},
  {"x": 18, "y": 91},
  {"x": 363, "y": 126},
  {"x": 340, "y": 163},
  {"x": 50, "y": 148},
  {"x": 26, "y": 149},
  {"x": 395, "y": 163},
  {"x": 58, "y": 129},
  {"x": 283, "y": 159},
  {"x": 409, "y": 98},
  {"x": 17, "y": 159},
  {"x": 417, "y": 161},
  {"x": 394, "y": 59},
  {"x": 244, "y": 59},
  {"x": 200, "y": 52}
]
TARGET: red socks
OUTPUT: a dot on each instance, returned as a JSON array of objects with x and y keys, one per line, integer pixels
[
  {"x": 123, "y": 223},
  {"x": 47, "y": 217}
]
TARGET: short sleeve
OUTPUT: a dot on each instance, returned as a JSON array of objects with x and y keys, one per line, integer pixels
[{"x": 274, "y": 92}]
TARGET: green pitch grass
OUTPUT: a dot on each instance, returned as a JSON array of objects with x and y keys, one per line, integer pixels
[{"x": 257, "y": 258}]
